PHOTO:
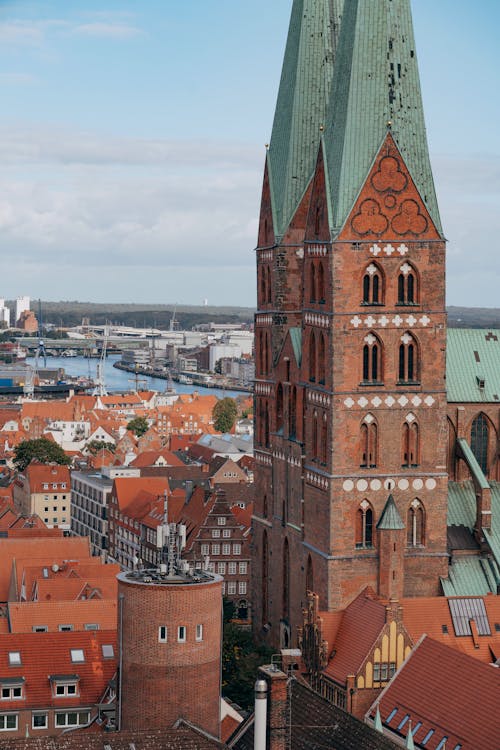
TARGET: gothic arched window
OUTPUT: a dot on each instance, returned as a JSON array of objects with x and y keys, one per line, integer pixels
[
  {"x": 479, "y": 439},
  {"x": 321, "y": 283},
  {"x": 312, "y": 357},
  {"x": 312, "y": 297},
  {"x": 407, "y": 285},
  {"x": 265, "y": 578},
  {"x": 279, "y": 407},
  {"x": 373, "y": 286},
  {"x": 324, "y": 438},
  {"x": 315, "y": 434},
  {"x": 364, "y": 526},
  {"x": 410, "y": 442},
  {"x": 408, "y": 359},
  {"x": 292, "y": 412},
  {"x": 286, "y": 581},
  {"x": 309, "y": 575},
  {"x": 369, "y": 442},
  {"x": 372, "y": 359},
  {"x": 321, "y": 358},
  {"x": 269, "y": 285},
  {"x": 415, "y": 525}
]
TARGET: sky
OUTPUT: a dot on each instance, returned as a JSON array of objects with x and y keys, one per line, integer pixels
[{"x": 132, "y": 143}]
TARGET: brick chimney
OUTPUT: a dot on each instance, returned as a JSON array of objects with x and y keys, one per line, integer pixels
[{"x": 277, "y": 706}]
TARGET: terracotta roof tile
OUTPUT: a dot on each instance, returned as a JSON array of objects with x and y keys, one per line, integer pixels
[
  {"x": 39, "y": 475},
  {"x": 445, "y": 692},
  {"x": 126, "y": 489},
  {"x": 182, "y": 738},
  {"x": 23, "y": 616},
  {"x": 361, "y": 624},
  {"x": 44, "y": 654}
]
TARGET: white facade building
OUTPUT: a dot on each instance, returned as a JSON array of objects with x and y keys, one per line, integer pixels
[
  {"x": 22, "y": 304},
  {"x": 4, "y": 314}
]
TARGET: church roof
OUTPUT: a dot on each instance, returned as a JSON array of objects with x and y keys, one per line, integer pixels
[
  {"x": 376, "y": 81},
  {"x": 390, "y": 518},
  {"x": 302, "y": 102},
  {"x": 473, "y": 365}
]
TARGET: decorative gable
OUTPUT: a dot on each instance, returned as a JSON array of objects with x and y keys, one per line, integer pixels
[{"x": 389, "y": 205}]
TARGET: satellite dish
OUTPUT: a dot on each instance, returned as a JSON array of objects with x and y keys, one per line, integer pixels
[{"x": 55, "y": 568}]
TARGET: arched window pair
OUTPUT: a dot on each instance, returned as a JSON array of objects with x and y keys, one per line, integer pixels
[
  {"x": 415, "y": 525},
  {"x": 410, "y": 443},
  {"x": 374, "y": 285},
  {"x": 317, "y": 357},
  {"x": 292, "y": 410},
  {"x": 263, "y": 423},
  {"x": 372, "y": 359},
  {"x": 408, "y": 365},
  {"x": 317, "y": 286},
  {"x": 365, "y": 526},
  {"x": 265, "y": 284},
  {"x": 369, "y": 442}
]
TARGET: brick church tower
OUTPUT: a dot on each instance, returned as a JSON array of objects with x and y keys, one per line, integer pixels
[{"x": 350, "y": 401}]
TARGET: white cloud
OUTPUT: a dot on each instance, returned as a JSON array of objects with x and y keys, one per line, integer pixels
[{"x": 113, "y": 30}]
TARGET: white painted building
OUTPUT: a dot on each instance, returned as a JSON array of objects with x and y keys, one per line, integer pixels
[{"x": 22, "y": 304}]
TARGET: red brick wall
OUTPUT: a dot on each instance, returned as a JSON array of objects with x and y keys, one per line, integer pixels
[{"x": 162, "y": 682}]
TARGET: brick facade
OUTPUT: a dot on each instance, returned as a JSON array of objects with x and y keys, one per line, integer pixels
[
  {"x": 177, "y": 670},
  {"x": 350, "y": 400}
]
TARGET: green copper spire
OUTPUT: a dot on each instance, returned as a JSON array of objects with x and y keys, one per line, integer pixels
[
  {"x": 302, "y": 102},
  {"x": 390, "y": 520},
  {"x": 376, "y": 86}
]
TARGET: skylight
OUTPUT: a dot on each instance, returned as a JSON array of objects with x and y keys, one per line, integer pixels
[{"x": 77, "y": 655}]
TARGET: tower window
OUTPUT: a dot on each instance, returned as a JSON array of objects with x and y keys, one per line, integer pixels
[
  {"x": 372, "y": 360},
  {"x": 372, "y": 286},
  {"x": 408, "y": 359},
  {"x": 479, "y": 441},
  {"x": 411, "y": 443},
  {"x": 364, "y": 526},
  {"x": 181, "y": 634},
  {"x": 407, "y": 285},
  {"x": 162, "y": 634},
  {"x": 415, "y": 525},
  {"x": 369, "y": 447}
]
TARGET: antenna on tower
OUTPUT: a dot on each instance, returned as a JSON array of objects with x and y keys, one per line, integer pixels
[
  {"x": 41, "y": 346},
  {"x": 171, "y": 540}
]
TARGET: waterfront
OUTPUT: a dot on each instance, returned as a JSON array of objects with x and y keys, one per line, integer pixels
[{"x": 118, "y": 380}]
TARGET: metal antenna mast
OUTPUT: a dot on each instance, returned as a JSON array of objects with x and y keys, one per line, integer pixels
[{"x": 100, "y": 381}]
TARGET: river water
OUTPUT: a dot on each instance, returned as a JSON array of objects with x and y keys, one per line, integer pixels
[{"x": 118, "y": 380}]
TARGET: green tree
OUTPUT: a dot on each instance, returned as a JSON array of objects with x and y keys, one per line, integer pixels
[
  {"x": 224, "y": 414},
  {"x": 98, "y": 445},
  {"x": 42, "y": 450},
  {"x": 138, "y": 425},
  {"x": 241, "y": 658}
]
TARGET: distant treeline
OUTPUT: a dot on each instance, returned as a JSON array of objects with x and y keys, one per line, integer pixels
[
  {"x": 71, "y": 313},
  {"x": 68, "y": 314}
]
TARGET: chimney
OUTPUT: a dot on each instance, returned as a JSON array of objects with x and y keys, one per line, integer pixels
[
  {"x": 260, "y": 721},
  {"x": 277, "y": 714}
]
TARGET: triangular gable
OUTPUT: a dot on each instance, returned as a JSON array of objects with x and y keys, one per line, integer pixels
[{"x": 389, "y": 205}]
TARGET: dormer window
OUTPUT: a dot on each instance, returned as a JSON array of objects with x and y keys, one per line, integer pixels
[
  {"x": 64, "y": 686},
  {"x": 11, "y": 689}
]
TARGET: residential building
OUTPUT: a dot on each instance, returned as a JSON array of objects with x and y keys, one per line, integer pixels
[
  {"x": 22, "y": 305},
  {"x": 45, "y": 490},
  {"x": 4, "y": 315}
]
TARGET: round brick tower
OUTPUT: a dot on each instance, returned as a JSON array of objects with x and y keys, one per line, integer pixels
[{"x": 170, "y": 629}]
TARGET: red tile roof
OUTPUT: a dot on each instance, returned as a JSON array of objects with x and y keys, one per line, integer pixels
[
  {"x": 151, "y": 458},
  {"x": 432, "y": 616},
  {"x": 360, "y": 627},
  {"x": 126, "y": 489},
  {"x": 23, "y": 616},
  {"x": 40, "y": 474},
  {"x": 45, "y": 654},
  {"x": 42, "y": 550},
  {"x": 449, "y": 693}
]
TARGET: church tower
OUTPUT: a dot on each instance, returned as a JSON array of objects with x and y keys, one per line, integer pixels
[{"x": 350, "y": 401}]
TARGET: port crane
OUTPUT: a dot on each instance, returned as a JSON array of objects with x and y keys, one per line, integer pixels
[
  {"x": 100, "y": 379},
  {"x": 32, "y": 371}
]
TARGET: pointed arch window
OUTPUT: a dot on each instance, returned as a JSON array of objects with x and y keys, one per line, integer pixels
[
  {"x": 269, "y": 285},
  {"x": 321, "y": 283},
  {"x": 410, "y": 442},
  {"x": 312, "y": 297},
  {"x": 266, "y": 424},
  {"x": 309, "y": 575},
  {"x": 292, "y": 412},
  {"x": 373, "y": 286},
  {"x": 324, "y": 438},
  {"x": 479, "y": 439},
  {"x": 321, "y": 358},
  {"x": 286, "y": 581},
  {"x": 312, "y": 357},
  {"x": 315, "y": 434},
  {"x": 279, "y": 408},
  {"x": 364, "y": 526},
  {"x": 408, "y": 371},
  {"x": 369, "y": 442},
  {"x": 263, "y": 292},
  {"x": 407, "y": 285},
  {"x": 265, "y": 578},
  {"x": 415, "y": 525},
  {"x": 372, "y": 359}
]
